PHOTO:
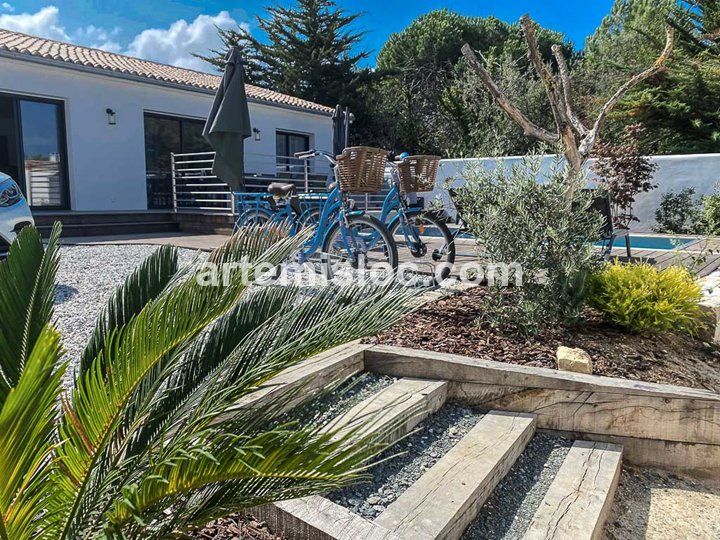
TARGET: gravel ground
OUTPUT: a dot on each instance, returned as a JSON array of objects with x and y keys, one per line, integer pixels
[
  {"x": 657, "y": 505},
  {"x": 413, "y": 456},
  {"x": 87, "y": 277},
  {"x": 508, "y": 512}
]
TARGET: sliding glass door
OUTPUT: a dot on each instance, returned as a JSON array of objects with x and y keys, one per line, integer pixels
[
  {"x": 165, "y": 135},
  {"x": 32, "y": 149}
]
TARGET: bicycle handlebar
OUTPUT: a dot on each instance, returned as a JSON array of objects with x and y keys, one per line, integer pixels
[{"x": 313, "y": 153}]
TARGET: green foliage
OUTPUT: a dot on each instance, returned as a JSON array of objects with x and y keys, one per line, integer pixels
[
  {"x": 309, "y": 50},
  {"x": 545, "y": 227},
  {"x": 148, "y": 439},
  {"x": 429, "y": 101},
  {"x": 711, "y": 211},
  {"x": 678, "y": 213},
  {"x": 680, "y": 106},
  {"x": 643, "y": 299}
]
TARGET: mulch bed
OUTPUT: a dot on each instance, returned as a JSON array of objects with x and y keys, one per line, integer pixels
[
  {"x": 450, "y": 326},
  {"x": 233, "y": 527}
]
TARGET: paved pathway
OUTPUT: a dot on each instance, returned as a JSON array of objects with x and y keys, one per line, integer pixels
[
  {"x": 703, "y": 257},
  {"x": 204, "y": 242}
]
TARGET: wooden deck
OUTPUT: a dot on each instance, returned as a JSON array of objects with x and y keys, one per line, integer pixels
[{"x": 701, "y": 257}]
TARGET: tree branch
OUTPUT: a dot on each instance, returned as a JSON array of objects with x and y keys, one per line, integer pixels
[
  {"x": 555, "y": 98},
  {"x": 510, "y": 109},
  {"x": 589, "y": 140},
  {"x": 565, "y": 84}
]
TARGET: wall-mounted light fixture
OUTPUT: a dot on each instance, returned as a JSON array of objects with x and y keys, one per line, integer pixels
[
  {"x": 256, "y": 134},
  {"x": 110, "y": 116}
]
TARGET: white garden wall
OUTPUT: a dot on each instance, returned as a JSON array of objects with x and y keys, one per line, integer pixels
[{"x": 674, "y": 173}]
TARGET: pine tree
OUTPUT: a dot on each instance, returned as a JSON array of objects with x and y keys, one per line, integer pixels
[
  {"x": 680, "y": 106},
  {"x": 310, "y": 51}
]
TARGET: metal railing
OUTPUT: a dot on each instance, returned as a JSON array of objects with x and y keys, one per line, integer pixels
[{"x": 195, "y": 189}]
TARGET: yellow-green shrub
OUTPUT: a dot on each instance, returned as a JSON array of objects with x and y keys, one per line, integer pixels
[{"x": 641, "y": 298}]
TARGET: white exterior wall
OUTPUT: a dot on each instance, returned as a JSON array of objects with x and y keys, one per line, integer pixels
[
  {"x": 106, "y": 164},
  {"x": 674, "y": 173}
]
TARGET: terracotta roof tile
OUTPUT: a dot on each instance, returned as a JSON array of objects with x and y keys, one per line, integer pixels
[{"x": 23, "y": 44}]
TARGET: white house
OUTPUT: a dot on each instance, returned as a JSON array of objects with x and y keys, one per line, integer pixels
[{"x": 87, "y": 130}]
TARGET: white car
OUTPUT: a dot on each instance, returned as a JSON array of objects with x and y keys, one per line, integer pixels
[{"x": 14, "y": 212}]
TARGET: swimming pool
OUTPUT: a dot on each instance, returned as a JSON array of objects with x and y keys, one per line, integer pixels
[
  {"x": 654, "y": 242},
  {"x": 643, "y": 241}
]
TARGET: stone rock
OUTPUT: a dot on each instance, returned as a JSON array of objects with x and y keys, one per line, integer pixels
[
  {"x": 373, "y": 500},
  {"x": 711, "y": 317},
  {"x": 575, "y": 360}
]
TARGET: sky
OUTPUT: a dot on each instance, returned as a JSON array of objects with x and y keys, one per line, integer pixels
[{"x": 170, "y": 31}]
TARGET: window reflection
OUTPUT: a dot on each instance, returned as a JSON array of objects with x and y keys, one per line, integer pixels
[{"x": 43, "y": 161}]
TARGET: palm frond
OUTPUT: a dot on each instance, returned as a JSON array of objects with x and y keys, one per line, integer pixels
[
  {"x": 161, "y": 330},
  {"x": 26, "y": 300},
  {"x": 27, "y": 427},
  {"x": 142, "y": 286},
  {"x": 282, "y": 463},
  {"x": 307, "y": 326},
  {"x": 204, "y": 356}
]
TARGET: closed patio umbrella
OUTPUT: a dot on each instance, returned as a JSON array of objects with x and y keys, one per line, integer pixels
[
  {"x": 341, "y": 129},
  {"x": 228, "y": 124}
]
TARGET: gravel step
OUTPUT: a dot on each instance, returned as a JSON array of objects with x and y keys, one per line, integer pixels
[
  {"x": 579, "y": 499},
  {"x": 390, "y": 413},
  {"x": 447, "y": 498}
]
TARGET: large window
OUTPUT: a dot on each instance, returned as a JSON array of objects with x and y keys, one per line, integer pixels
[
  {"x": 165, "y": 135},
  {"x": 286, "y": 144},
  {"x": 32, "y": 148}
]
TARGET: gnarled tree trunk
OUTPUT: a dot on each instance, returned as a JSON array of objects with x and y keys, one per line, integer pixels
[{"x": 577, "y": 140}]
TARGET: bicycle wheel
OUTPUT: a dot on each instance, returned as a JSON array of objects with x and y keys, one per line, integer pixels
[
  {"x": 424, "y": 241},
  {"x": 252, "y": 217},
  {"x": 363, "y": 245}
]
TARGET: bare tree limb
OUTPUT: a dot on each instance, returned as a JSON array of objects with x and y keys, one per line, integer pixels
[
  {"x": 528, "y": 127},
  {"x": 589, "y": 141},
  {"x": 566, "y": 88},
  {"x": 555, "y": 96},
  {"x": 528, "y": 28},
  {"x": 558, "y": 90}
]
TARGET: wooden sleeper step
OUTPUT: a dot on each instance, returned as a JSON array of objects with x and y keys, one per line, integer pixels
[
  {"x": 391, "y": 414},
  {"x": 448, "y": 497},
  {"x": 394, "y": 411},
  {"x": 579, "y": 499}
]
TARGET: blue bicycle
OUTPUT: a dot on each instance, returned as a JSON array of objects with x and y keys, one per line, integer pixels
[
  {"x": 343, "y": 236},
  {"x": 254, "y": 208},
  {"x": 422, "y": 232}
]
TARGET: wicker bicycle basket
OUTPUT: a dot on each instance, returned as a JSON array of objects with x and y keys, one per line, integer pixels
[
  {"x": 362, "y": 169},
  {"x": 417, "y": 173}
]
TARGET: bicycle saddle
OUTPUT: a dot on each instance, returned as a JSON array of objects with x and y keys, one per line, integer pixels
[{"x": 279, "y": 189}]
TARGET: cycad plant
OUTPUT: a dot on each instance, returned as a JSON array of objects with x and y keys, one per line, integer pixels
[{"x": 138, "y": 438}]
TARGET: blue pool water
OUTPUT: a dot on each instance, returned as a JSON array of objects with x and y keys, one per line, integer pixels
[
  {"x": 636, "y": 242},
  {"x": 654, "y": 242}
]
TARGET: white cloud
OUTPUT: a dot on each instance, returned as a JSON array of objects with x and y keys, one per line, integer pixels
[
  {"x": 98, "y": 38},
  {"x": 176, "y": 44},
  {"x": 7, "y": 7},
  {"x": 172, "y": 45},
  {"x": 44, "y": 23}
]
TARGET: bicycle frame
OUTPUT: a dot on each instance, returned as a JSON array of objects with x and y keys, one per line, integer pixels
[{"x": 396, "y": 201}]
